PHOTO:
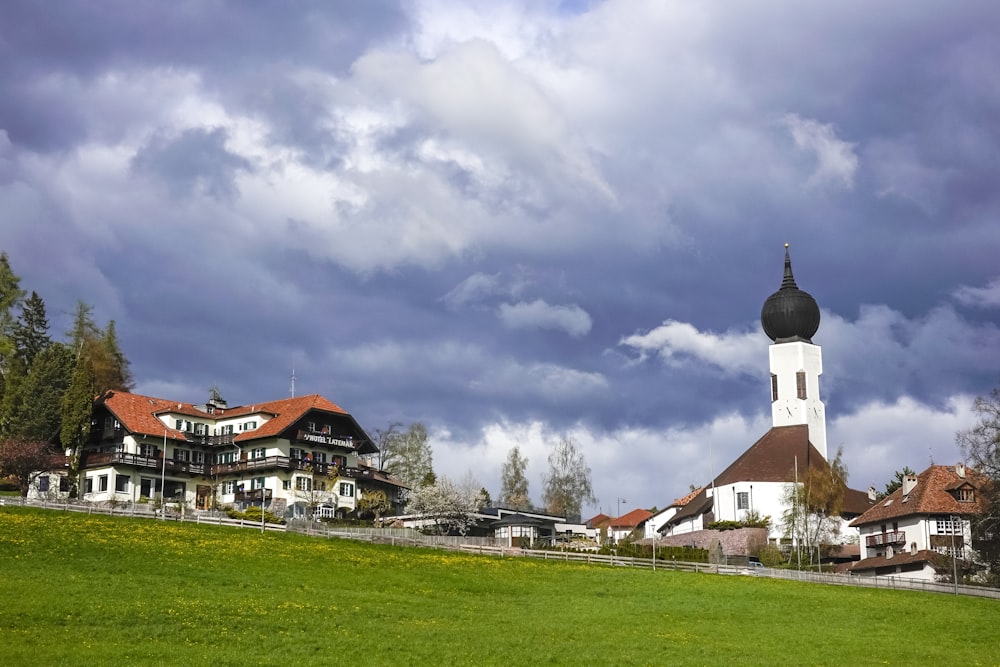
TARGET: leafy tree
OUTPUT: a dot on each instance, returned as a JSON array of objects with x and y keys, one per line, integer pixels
[
  {"x": 37, "y": 411},
  {"x": 30, "y": 334},
  {"x": 76, "y": 408},
  {"x": 815, "y": 504},
  {"x": 375, "y": 502},
  {"x": 514, "y": 482},
  {"x": 897, "y": 481},
  {"x": 981, "y": 447},
  {"x": 407, "y": 456},
  {"x": 24, "y": 459},
  {"x": 567, "y": 484},
  {"x": 451, "y": 506}
]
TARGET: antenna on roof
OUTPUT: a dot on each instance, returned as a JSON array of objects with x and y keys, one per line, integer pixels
[{"x": 293, "y": 381}]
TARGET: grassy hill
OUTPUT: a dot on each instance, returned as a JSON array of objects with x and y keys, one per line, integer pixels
[{"x": 96, "y": 590}]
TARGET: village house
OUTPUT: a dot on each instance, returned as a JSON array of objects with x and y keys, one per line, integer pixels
[
  {"x": 295, "y": 456},
  {"x": 920, "y": 527}
]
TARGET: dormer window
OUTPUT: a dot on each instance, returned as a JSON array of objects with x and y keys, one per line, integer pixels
[{"x": 966, "y": 495}]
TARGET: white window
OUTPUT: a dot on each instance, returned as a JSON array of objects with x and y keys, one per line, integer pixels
[
  {"x": 198, "y": 457},
  {"x": 311, "y": 426},
  {"x": 88, "y": 485},
  {"x": 948, "y": 527},
  {"x": 200, "y": 429},
  {"x": 347, "y": 490},
  {"x": 257, "y": 453},
  {"x": 227, "y": 429},
  {"x": 182, "y": 455},
  {"x": 303, "y": 484},
  {"x": 257, "y": 483},
  {"x": 148, "y": 451},
  {"x": 121, "y": 483},
  {"x": 743, "y": 500},
  {"x": 43, "y": 484},
  {"x": 286, "y": 484},
  {"x": 229, "y": 487},
  {"x": 249, "y": 426},
  {"x": 102, "y": 483},
  {"x": 297, "y": 453},
  {"x": 319, "y": 457}
]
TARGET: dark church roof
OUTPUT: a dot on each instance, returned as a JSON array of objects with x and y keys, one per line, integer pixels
[
  {"x": 790, "y": 314},
  {"x": 773, "y": 458}
]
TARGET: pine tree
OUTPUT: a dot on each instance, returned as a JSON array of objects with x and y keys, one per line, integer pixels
[
  {"x": 76, "y": 408},
  {"x": 10, "y": 296},
  {"x": 111, "y": 369},
  {"x": 30, "y": 333},
  {"x": 37, "y": 413}
]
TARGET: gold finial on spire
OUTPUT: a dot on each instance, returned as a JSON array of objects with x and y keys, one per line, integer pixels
[{"x": 786, "y": 246}]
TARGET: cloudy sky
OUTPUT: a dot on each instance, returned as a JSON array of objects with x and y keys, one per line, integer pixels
[{"x": 522, "y": 221}]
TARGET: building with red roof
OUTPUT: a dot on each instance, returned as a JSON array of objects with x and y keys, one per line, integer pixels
[
  {"x": 917, "y": 529},
  {"x": 294, "y": 456}
]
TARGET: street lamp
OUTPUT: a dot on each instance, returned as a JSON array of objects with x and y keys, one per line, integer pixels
[
  {"x": 620, "y": 501},
  {"x": 956, "y": 522}
]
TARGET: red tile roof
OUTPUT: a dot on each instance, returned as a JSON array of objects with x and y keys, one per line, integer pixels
[
  {"x": 930, "y": 496},
  {"x": 139, "y": 414},
  {"x": 599, "y": 521},
  {"x": 631, "y": 519},
  {"x": 684, "y": 500}
]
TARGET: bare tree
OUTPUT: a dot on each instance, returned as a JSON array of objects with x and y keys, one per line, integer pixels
[
  {"x": 815, "y": 505},
  {"x": 408, "y": 456},
  {"x": 567, "y": 484},
  {"x": 514, "y": 482},
  {"x": 981, "y": 447},
  {"x": 24, "y": 459},
  {"x": 384, "y": 439}
]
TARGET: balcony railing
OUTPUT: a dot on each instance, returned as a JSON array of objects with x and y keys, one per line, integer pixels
[
  {"x": 880, "y": 539},
  {"x": 94, "y": 459},
  {"x": 253, "y": 495}
]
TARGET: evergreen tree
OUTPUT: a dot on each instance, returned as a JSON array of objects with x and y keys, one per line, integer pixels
[
  {"x": 36, "y": 414},
  {"x": 31, "y": 331},
  {"x": 111, "y": 369},
  {"x": 10, "y": 296},
  {"x": 84, "y": 331}
]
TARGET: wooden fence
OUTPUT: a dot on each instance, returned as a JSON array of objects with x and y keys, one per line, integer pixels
[{"x": 486, "y": 546}]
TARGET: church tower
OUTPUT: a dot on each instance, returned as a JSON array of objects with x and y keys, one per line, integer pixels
[{"x": 790, "y": 318}]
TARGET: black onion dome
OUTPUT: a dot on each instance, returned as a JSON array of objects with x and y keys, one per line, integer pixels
[{"x": 790, "y": 314}]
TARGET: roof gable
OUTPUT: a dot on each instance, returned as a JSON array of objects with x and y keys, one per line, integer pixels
[
  {"x": 631, "y": 519},
  {"x": 932, "y": 495}
]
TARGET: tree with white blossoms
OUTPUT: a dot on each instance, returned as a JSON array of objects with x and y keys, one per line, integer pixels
[{"x": 452, "y": 507}]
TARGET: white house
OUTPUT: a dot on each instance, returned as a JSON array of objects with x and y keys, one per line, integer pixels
[
  {"x": 287, "y": 455},
  {"x": 929, "y": 516}
]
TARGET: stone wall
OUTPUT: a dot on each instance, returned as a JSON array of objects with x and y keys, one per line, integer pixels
[{"x": 736, "y": 542}]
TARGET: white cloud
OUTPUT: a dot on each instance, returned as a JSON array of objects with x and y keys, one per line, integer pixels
[
  {"x": 981, "y": 297},
  {"x": 472, "y": 289},
  {"x": 679, "y": 342},
  {"x": 835, "y": 159},
  {"x": 540, "y": 315}
]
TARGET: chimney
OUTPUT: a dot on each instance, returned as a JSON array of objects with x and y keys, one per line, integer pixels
[
  {"x": 909, "y": 483},
  {"x": 960, "y": 469},
  {"x": 871, "y": 494}
]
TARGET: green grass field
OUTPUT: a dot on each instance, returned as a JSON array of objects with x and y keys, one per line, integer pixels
[{"x": 96, "y": 590}]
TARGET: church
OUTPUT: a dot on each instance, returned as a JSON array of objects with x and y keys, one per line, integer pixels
[{"x": 756, "y": 484}]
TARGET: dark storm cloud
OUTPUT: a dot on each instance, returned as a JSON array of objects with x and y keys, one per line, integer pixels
[{"x": 518, "y": 222}]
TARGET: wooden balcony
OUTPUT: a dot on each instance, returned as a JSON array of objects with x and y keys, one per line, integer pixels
[
  {"x": 95, "y": 459},
  {"x": 252, "y": 496},
  {"x": 881, "y": 539}
]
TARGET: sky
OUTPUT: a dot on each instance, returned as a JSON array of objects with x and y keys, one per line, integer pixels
[{"x": 525, "y": 221}]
